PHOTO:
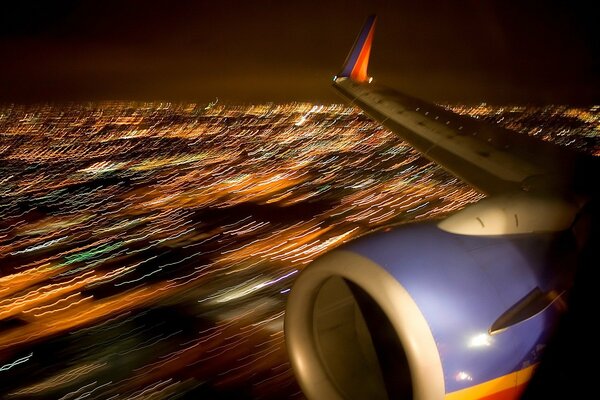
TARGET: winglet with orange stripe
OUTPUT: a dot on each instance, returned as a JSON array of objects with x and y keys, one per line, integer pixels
[{"x": 356, "y": 64}]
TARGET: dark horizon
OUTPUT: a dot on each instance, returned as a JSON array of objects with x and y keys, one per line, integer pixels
[{"x": 273, "y": 52}]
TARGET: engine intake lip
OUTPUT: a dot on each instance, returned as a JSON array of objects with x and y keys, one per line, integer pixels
[{"x": 410, "y": 325}]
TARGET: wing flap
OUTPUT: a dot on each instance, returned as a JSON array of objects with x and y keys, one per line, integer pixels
[{"x": 493, "y": 160}]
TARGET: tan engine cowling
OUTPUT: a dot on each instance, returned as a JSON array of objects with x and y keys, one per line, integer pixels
[{"x": 353, "y": 332}]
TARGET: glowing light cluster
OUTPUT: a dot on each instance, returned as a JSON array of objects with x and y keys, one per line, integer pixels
[
  {"x": 577, "y": 127},
  {"x": 151, "y": 246}
]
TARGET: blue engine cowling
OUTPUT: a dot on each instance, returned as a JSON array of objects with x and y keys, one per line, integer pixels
[{"x": 408, "y": 312}]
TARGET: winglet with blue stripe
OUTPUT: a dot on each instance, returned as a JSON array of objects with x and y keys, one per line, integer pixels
[{"x": 357, "y": 61}]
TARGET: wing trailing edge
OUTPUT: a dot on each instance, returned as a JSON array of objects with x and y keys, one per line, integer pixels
[{"x": 492, "y": 159}]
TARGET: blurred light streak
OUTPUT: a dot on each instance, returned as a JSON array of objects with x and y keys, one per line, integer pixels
[{"x": 151, "y": 246}]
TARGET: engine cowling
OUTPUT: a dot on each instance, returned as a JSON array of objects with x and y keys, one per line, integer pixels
[{"x": 407, "y": 313}]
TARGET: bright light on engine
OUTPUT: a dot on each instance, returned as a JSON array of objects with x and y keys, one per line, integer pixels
[
  {"x": 463, "y": 376},
  {"x": 480, "y": 340}
]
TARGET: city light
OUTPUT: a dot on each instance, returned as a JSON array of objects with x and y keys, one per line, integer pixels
[{"x": 147, "y": 249}]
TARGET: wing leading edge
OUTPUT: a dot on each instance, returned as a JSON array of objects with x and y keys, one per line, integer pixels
[{"x": 490, "y": 158}]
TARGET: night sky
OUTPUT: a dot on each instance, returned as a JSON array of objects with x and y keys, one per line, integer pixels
[{"x": 249, "y": 51}]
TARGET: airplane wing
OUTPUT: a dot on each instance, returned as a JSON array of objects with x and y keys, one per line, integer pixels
[
  {"x": 451, "y": 309},
  {"x": 491, "y": 159}
]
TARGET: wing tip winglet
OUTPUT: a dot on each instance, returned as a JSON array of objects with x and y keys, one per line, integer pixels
[{"x": 357, "y": 61}]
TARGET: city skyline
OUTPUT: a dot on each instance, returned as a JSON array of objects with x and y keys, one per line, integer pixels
[{"x": 150, "y": 247}]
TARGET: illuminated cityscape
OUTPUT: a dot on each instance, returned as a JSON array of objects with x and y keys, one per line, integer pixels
[
  {"x": 576, "y": 127},
  {"x": 147, "y": 249}
]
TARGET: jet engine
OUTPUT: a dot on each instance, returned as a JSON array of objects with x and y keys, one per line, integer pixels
[{"x": 421, "y": 312}]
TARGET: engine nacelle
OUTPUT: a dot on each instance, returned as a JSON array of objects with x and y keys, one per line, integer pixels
[{"x": 408, "y": 313}]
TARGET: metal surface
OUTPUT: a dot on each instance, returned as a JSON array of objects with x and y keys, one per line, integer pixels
[
  {"x": 512, "y": 213},
  {"x": 490, "y": 158},
  {"x": 462, "y": 284},
  {"x": 430, "y": 283},
  {"x": 306, "y": 355}
]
